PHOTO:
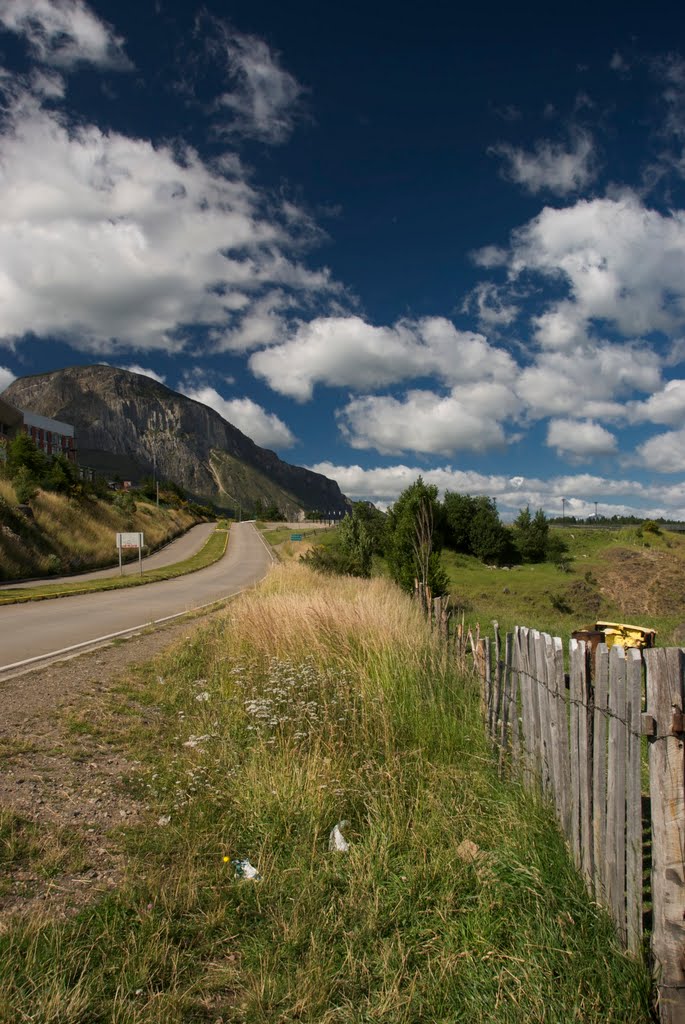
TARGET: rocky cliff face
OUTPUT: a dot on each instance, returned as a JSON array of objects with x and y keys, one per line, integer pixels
[{"x": 125, "y": 420}]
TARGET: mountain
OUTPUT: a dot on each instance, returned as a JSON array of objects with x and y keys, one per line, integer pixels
[{"x": 126, "y": 423}]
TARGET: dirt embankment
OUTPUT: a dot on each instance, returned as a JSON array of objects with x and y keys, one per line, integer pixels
[{"x": 644, "y": 583}]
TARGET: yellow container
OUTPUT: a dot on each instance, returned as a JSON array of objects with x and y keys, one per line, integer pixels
[{"x": 627, "y": 636}]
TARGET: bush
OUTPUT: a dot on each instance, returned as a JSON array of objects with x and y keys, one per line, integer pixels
[{"x": 25, "y": 485}]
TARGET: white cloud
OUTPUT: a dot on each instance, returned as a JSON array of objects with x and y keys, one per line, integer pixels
[
  {"x": 490, "y": 306},
  {"x": 265, "y": 428},
  {"x": 162, "y": 239},
  {"x": 490, "y": 256},
  {"x": 665, "y": 406},
  {"x": 551, "y": 166},
  {"x": 592, "y": 246},
  {"x": 345, "y": 351},
  {"x": 6, "y": 378},
  {"x": 588, "y": 381},
  {"x": 263, "y": 100},
  {"x": 466, "y": 419},
  {"x": 64, "y": 32},
  {"x": 134, "y": 368},
  {"x": 384, "y": 484},
  {"x": 664, "y": 453},
  {"x": 580, "y": 438},
  {"x": 262, "y": 325}
]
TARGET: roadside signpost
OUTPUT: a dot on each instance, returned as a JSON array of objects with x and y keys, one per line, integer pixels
[{"x": 130, "y": 540}]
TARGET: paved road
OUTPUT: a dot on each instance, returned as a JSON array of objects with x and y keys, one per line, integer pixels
[
  {"x": 176, "y": 551},
  {"x": 39, "y": 628}
]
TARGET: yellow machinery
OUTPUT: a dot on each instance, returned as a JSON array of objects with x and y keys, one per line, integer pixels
[{"x": 626, "y": 636}]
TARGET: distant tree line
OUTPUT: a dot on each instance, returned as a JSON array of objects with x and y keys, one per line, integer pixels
[{"x": 418, "y": 526}]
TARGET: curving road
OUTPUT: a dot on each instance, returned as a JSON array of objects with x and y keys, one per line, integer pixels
[
  {"x": 177, "y": 550},
  {"x": 41, "y": 628}
]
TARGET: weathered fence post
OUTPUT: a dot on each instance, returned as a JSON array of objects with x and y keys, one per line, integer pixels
[
  {"x": 634, "y": 802},
  {"x": 665, "y": 668}
]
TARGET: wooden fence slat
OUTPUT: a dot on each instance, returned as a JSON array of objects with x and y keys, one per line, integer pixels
[
  {"x": 514, "y": 708},
  {"x": 496, "y": 691},
  {"x": 505, "y": 699},
  {"x": 558, "y": 787},
  {"x": 546, "y": 711},
  {"x": 599, "y": 784},
  {"x": 616, "y": 790},
  {"x": 585, "y": 766},
  {"x": 564, "y": 773},
  {"x": 577, "y": 656},
  {"x": 537, "y": 748},
  {"x": 525, "y": 683},
  {"x": 634, "y": 802},
  {"x": 667, "y": 791}
]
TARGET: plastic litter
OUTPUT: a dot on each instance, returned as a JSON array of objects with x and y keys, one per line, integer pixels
[
  {"x": 336, "y": 840},
  {"x": 243, "y": 869}
]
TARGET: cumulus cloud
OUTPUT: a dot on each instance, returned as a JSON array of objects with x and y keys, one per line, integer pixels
[
  {"x": 591, "y": 246},
  {"x": 588, "y": 381},
  {"x": 346, "y": 351},
  {"x": 6, "y": 378},
  {"x": 665, "y": 406},
  {"x": 466, "y": 419},
  {"x": 265, "y": 428},
  {"x": 163, "y": 239},
  {"x": 551, "y": 166},
  {"x": 384, "y": 484},
  {"x": 664, "y": 453},
  {"x": 580, "y": 438},
  {"x": 134, "y": 368},
  {"x": 263, "y": 99},
  {"x": 64, "y": 33}
]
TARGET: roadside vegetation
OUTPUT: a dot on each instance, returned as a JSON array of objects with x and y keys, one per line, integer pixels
[
  {"x": 313, "y": 700},
  {"x": 52, "y": 522},
  {"x": 212, "y": 550},
  {"x": 550, "y": 577}
]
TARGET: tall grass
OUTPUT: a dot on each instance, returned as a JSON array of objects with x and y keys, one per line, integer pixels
[
  {"x": 310, "y": 701},
  {"x": 68, "y": 535}
]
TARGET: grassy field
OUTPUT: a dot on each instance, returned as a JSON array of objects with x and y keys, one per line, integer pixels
[
  {"x": 69, "y": 535},
  {"x": 617, "y": 575},
  {"x": 309, "y": 701},
  {"x": 211, "y": 552}
]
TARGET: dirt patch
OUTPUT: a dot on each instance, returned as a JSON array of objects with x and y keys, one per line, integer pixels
[
  {"x": 643, "y": 583},
  {"x": 63, "y": 775}
]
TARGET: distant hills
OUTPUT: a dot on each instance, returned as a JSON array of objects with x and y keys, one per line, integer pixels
[{"x": 126, "y": 423}]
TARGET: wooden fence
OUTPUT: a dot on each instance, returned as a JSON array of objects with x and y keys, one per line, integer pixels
[{"x": 576, "y": 738}]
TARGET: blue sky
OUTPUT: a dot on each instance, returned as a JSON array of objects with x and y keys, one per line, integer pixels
[{"x": 380, "y": 239}]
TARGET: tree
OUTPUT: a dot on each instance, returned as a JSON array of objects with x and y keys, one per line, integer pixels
[
  {"x": 472, "y": 527},
  {"x": 22, "y": 453},
  {"x": 531, "y": 535},
  {"x": 413, "y": 547},
  {"x": 356, "y": 543}
]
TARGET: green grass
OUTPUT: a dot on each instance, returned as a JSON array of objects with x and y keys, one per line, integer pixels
[
  {"x": 549, "y": 599},
  {"x": 313, "y": 700},
  {"x": 211, "y": 552}
]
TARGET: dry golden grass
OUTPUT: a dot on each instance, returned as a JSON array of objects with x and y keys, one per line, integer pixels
[
  {"x": 67, "y": 534},
  {"x": 298, "y": 613}
]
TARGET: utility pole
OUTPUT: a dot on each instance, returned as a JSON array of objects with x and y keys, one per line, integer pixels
[
  {"x": 563, "y": 508},
  {"x": 595, "y": 510}
]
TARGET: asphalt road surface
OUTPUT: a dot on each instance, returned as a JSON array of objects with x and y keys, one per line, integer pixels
[
  {"x": 40, "y": 628},
  {"x": 175, "y": 551}
]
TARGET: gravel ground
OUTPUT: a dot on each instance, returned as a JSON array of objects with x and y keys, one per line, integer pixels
[{"x": 59, "y": 778}]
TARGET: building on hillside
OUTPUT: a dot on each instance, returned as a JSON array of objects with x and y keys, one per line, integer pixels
[{"x": 51, "y": 436}]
